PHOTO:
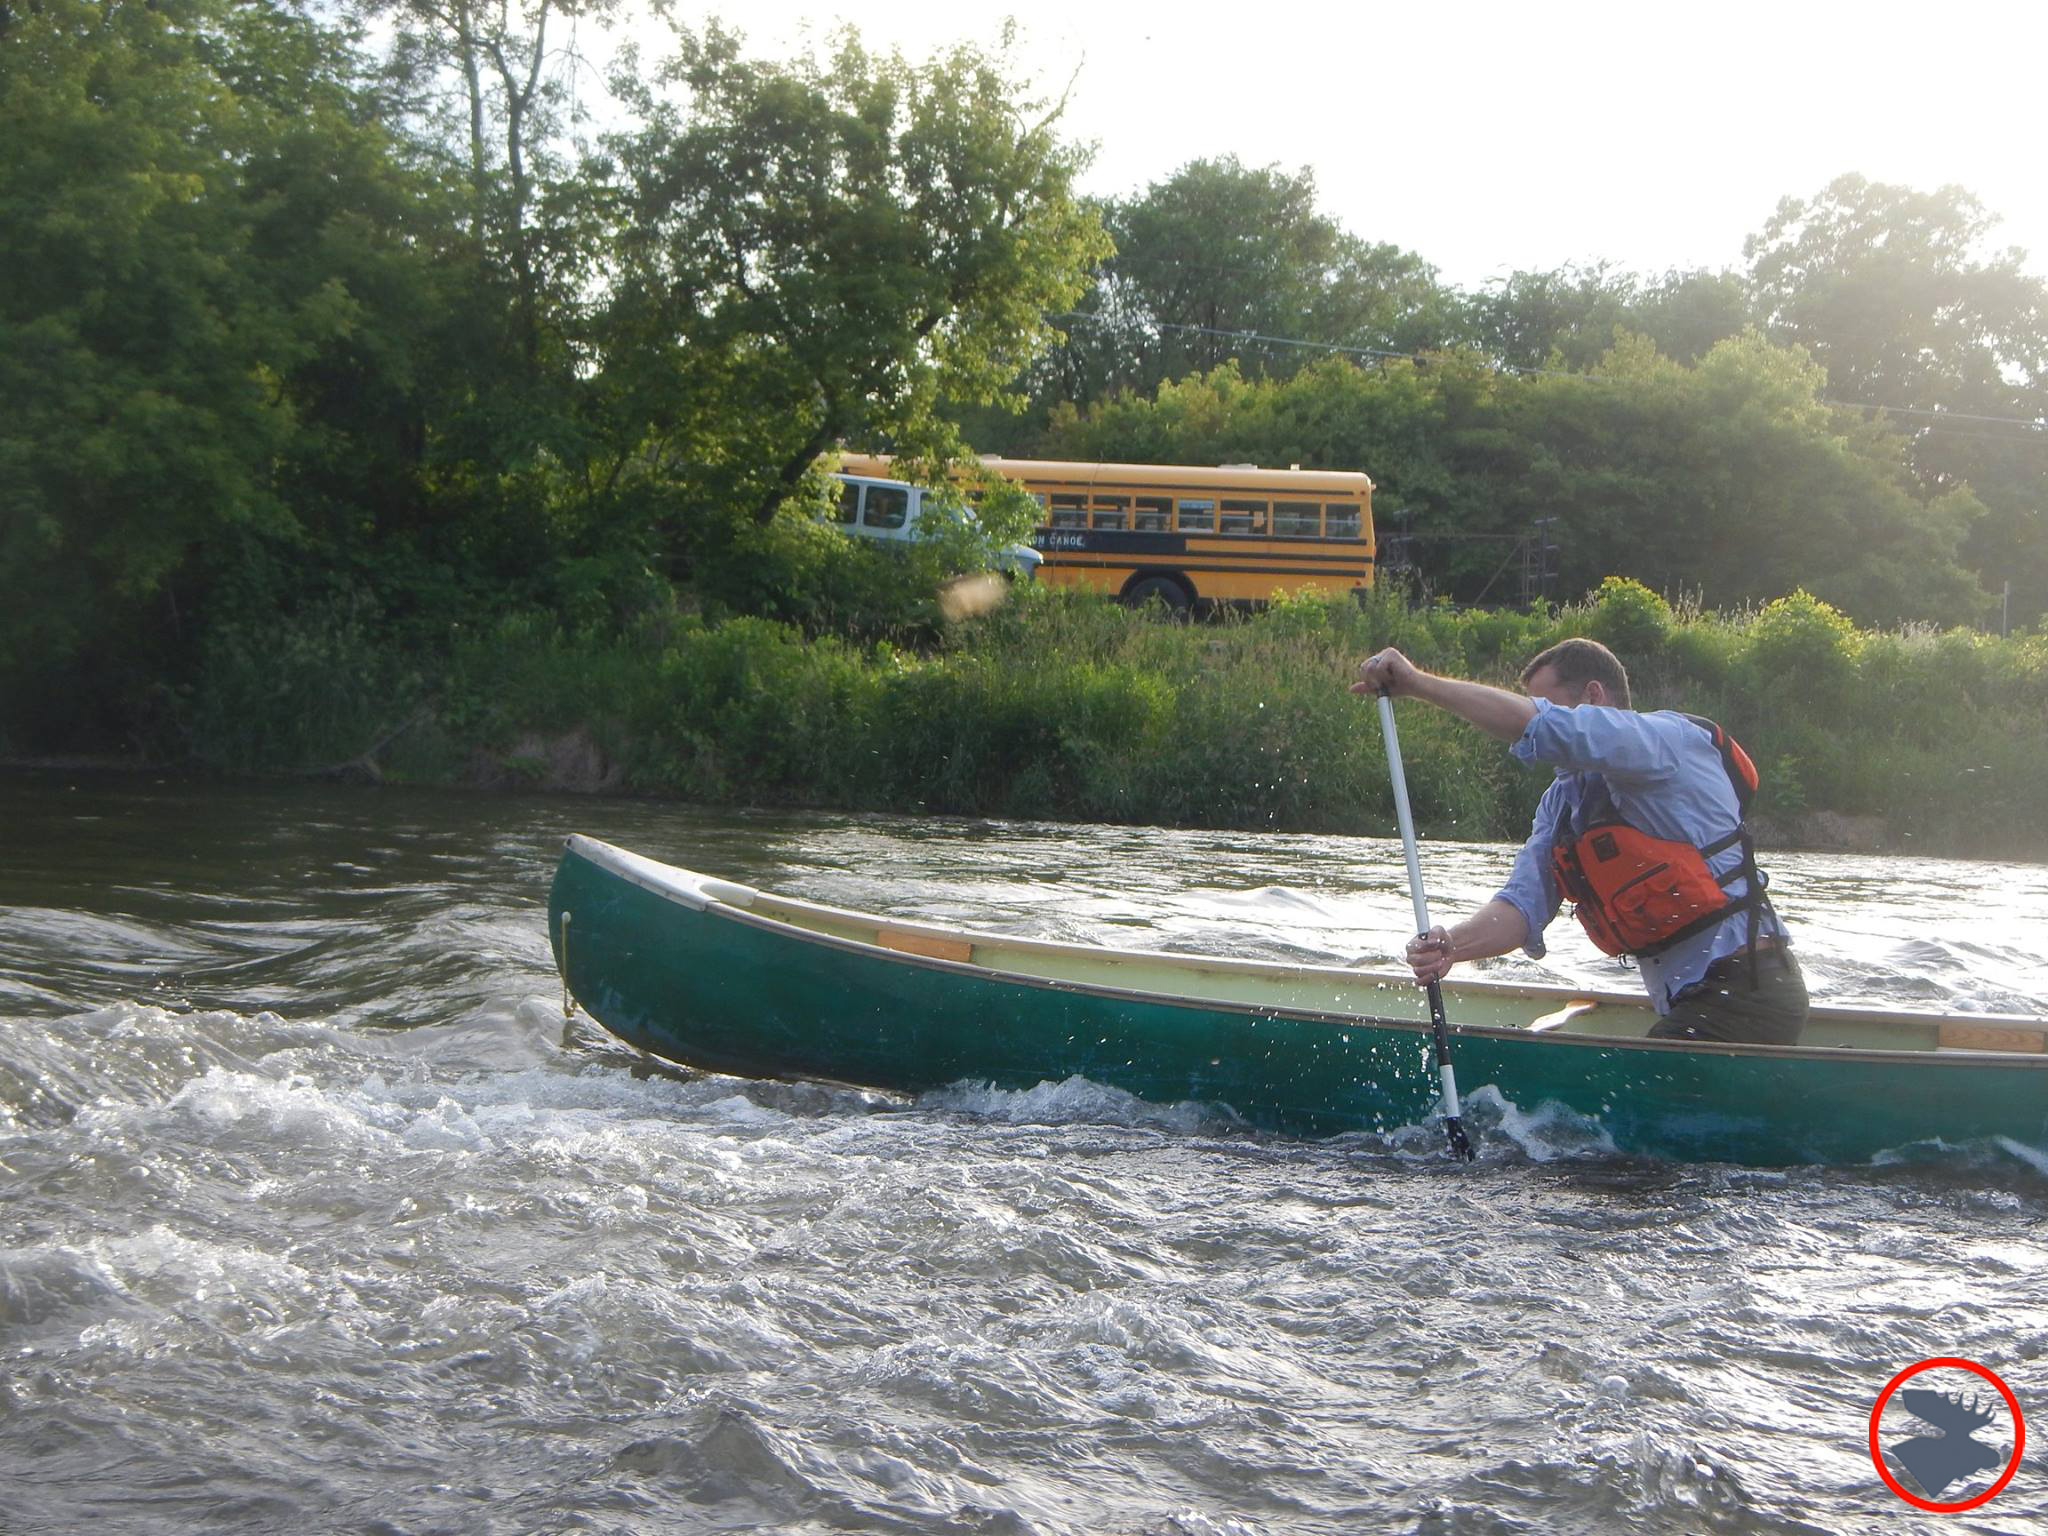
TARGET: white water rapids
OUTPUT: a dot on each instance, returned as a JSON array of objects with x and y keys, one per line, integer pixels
[{"x": 316, "y": 1216}]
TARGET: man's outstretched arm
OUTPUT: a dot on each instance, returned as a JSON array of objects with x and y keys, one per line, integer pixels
[{"x": 1494, "y": 710}]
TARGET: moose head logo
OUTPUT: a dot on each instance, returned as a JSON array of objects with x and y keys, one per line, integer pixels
[
  {"x": 1939, "y": 1449},
  {"x": 1936, "y": 1460}
]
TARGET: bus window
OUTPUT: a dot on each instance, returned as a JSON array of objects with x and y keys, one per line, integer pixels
[
  {"x": 1340, "y": 520},
  {"x": 888, "y": 506},
  {"x": 1197, "y": 516},
  {"x": 1112, "y": 511},
  {"x": 848, "y": 509},
  {"x": 1069, "y": 509},
  {"x": 1243, "y": 517},
  {"x": 1297, "y": 519},
  {"x": 1154, "y": 514}
]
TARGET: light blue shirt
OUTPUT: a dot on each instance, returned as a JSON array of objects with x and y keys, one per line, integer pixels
[{"x": 1659, "y": 772}]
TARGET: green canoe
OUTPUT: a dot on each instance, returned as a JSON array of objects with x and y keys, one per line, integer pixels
[{"x": 731, "y": 979}]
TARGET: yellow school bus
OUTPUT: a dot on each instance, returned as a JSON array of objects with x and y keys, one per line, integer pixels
[{"x": 1189, "y": 534}]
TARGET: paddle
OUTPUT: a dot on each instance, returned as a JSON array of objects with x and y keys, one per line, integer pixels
[{"x": 1453, "y": 1126}]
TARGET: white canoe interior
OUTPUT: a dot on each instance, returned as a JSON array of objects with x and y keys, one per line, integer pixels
[{"x": 1312, "y": 989}]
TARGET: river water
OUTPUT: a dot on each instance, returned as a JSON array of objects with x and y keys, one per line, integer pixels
[{"x": 317, "y": 1216}]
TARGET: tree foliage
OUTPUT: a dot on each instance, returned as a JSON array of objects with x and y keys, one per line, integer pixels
[
  {"x": 1898, "y": 294},
  {"x": 205, "y": 242},
  {"x": 325, "y": 341},
  {"x": 279, "y": 339},
  {"x": 1891, "y": 291},
  {"x": 1730, "y": 478},
  {"x": 1223, "y": 261},
  {"x": 1569, "y": 318},
  {"x": 822, "y": 251}
]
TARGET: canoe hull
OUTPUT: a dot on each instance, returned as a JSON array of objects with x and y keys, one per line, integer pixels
[{"x": 718, "y": 988}]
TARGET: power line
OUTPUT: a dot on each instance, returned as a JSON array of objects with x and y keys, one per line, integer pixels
[
  {"x": 1916, "y": 410},
  {"x": 1984, "y": 437}
]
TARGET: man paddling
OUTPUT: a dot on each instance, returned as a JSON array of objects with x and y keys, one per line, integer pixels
[{"x": 1642, "y": 828}]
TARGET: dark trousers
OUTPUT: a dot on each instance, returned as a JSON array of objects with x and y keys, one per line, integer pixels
[{"x": 1722, "y": 1005}]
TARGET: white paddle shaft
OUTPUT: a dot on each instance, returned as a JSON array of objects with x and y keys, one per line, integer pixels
[{"x": 1401, "y": 815}]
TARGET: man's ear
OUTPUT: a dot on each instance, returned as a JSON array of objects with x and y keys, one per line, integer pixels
[{"x": 1596, "y": 692}]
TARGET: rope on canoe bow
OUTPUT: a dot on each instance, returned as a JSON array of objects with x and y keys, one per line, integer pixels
[{"x": 568, "y": 1002}]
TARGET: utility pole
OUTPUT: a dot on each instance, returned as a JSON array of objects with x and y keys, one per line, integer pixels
[{"x": 1539, "y": 560}]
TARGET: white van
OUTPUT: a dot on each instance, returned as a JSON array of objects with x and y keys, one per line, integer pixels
[{"x": 889, "y": 509}]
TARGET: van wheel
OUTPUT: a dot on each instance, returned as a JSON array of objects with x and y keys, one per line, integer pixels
[{"x": 1176, "y": 597}]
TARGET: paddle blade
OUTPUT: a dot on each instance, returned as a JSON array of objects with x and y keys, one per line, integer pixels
[{"x": 1461, "y": 1145}]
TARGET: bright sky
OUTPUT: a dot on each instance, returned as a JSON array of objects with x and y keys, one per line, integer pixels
[{"x": 1489, "y": 137}]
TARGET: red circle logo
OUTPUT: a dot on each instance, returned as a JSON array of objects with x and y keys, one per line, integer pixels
[{"x": 2019, "y": 1434}]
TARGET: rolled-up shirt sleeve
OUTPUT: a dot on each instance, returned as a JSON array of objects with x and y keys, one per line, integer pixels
[
  {"x": 1531, "y": 888},
  {"x": 1593, "y": 738}
]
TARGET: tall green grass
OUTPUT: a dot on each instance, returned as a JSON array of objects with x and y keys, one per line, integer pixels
[{"x": 1064, "y": 705}]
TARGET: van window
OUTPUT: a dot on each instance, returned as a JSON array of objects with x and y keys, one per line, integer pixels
[
  {"x": 888, "y": 506},
  {"x": 847, "y": 509},
  {"x": 1297, "y": 519}
]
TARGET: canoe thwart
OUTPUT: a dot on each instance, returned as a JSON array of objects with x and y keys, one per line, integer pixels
[
  {"x": 1961, "y": 1035},
  {"x": 928, "y": 945}
]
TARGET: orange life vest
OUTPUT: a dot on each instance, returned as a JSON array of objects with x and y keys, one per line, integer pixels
[{"x": 1635, "y": 894}]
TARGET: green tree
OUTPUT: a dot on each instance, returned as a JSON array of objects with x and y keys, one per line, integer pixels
[
  {"x": 1735, "y": 479},
  {"x": 822, "y": 251},
  {"x": 1563, "y": 319},
  {"x": 1570, "y": 317},
  {"x": 1894, "y": 294},
  {"x": 1732, "y": 478},
  {"x": 133, "y": 413},
  {"x": 217, "y": 337},
  {"x": 1687, "y": 313},
  {"x": 514, "y": 99},
  {"x": 1901, "y": 297},
  {"x": 1224, "y": 262}
]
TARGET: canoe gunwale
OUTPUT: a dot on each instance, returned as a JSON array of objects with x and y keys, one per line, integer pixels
[
  {"x": 728, "y": 902},
  {"x": 696, "y": 891}
]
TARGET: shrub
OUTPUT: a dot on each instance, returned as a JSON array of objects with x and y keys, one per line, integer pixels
[
  {"x": 310, "y": 691},
  {"x": 1500, "y": 641},
  {"x": 1802, "y": 651},
  {"x": 1704, "y": 653},
  {"x": 1628, "y": 618},
  {"x": 1064, "y": 703}
]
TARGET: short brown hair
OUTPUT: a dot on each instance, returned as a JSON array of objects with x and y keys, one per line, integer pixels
[{"x": 1583, "y": 661}]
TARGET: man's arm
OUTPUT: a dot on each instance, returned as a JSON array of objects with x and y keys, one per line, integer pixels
[
  {"x": 1494, "y": 710},
  {"x": 1502, "y": 925},
  {"x": 1495, "y": 929}
]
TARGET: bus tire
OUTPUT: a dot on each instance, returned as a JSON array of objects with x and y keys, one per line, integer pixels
[{"x": 1174, "y": 594}]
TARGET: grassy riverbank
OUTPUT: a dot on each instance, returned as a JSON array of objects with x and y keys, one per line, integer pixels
[{"x": 1063, "y": 706}]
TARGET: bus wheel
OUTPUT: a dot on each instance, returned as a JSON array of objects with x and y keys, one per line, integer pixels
[{"x": 1176, "y": 597}]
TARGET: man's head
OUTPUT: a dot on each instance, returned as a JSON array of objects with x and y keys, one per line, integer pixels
[{"x": 1576, "y": 672}]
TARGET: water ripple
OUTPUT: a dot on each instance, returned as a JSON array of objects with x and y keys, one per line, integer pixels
[{"x": 316, "y": 1214}]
